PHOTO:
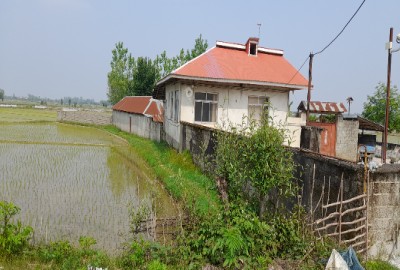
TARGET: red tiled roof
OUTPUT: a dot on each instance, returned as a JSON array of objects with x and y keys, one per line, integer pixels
[
  {"x": 144, "y": 105},
  {"x": 234, "y": 63},
  {"x": 323, "y": 107}
]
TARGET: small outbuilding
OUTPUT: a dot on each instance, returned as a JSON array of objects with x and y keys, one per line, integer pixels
[
  {"x": 342, "y": 135},
  {"x": 140, "y": 115}
]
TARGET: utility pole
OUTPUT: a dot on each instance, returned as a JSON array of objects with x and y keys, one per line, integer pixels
[
  {"x": 310, "y": 62},
  {"x": 389, "y": 70}
]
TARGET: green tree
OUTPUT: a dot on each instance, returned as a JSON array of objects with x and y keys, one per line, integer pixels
[
  {"x": 130, "y": 77},
  {"x": 166, "y": 65},
  {"x": 120, "y": 78},
  {"x": 256, "y": 165},
  {"x": 2, "y": 94},
  {"x": 144, "y": 77},
  {"x": 375, "y": 107}
]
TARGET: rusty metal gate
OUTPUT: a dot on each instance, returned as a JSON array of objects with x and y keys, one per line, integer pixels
[{"x": 328, "y": 138}]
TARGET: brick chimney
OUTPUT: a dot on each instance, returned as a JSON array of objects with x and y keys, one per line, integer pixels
[{"x": 252, "y": 46}]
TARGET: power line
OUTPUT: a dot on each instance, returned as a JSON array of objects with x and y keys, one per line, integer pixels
[
  {"x": 298, "y": 70},
  {"x": 330, "y": 43},
  {"x": 333, "y": 40}
]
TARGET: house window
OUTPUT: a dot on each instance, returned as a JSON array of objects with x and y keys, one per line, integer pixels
[
  {"x": 258, "y": 107},
  {"x": 171, "y": 107},
  {"x": 205, "y": 108},
  {"x": 176, "y": 106},
  {"x": 253, "y": 49}
]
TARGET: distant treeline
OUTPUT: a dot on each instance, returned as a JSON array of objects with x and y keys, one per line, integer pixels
[{"x": 66, "y": 101}]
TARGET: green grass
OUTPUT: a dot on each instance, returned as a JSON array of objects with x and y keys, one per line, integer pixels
[
  {"x": 176, "y": 171},
  {"x": 379, "y": 265},
  {"x": 12, "y": 115}
]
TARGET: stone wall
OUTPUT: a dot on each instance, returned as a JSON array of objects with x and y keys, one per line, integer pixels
[
  {"x": 85, "y": 117},
  {"x": 384, "y": 212},
  {"x": 200, "y": 141},
  {"x": 347, "y": 138},
  {"x": 320, "y": 176}
]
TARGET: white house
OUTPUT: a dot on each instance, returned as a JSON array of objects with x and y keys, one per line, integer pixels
[{"x": 227, "y": 82}]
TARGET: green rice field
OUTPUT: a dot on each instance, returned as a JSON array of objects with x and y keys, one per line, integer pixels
[
  {"x": 71, "y": 181},
  {"x": 26, "y": 115}
]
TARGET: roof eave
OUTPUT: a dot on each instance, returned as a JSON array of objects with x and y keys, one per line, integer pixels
[{"x": 222, "y": 80}]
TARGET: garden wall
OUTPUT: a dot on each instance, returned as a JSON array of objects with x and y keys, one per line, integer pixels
[
  {"x": 319, "y": 179},
  {"x": 384, "y": 212},
  {"x": 138, "y": 124},
  {"x": 85, "y": 117}
]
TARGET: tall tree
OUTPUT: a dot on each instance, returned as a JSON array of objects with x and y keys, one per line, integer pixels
[
  {"x": 144, "y": 77},
  {"x": 130, "y": 77},
  {"x": 120, "y": 78},
  {"x": 166, "y": 65},
  {"x": 2, "y": 94},
  {"x": 375, "y": 107}
]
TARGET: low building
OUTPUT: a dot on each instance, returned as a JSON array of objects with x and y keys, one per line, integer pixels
[
  {"x": 342, "y": 134},
  {"x": 141, "y": 115}
]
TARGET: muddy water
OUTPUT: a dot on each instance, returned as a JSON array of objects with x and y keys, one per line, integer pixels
[{"x": 71, "y": 181}]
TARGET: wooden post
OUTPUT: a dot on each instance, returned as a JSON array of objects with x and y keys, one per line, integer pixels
[
  {"x": 389, "y": 69},
  {"x": 310, "y": 63},
  {"x": 340, "y": 210},
  {"x": 366, "y": 220}
]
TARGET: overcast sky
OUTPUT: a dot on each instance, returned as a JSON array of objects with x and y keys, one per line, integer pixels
[{"x": 57, "y": 48}]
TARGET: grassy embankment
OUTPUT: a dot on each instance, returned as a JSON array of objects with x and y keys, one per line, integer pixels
[{"x": 183, "y": 180}]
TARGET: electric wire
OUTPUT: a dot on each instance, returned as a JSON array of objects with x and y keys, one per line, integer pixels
[
  {"x": 330, "y": 43},
  {"x": 298, "y": 70},
  {"x": 333, "y": 40}
]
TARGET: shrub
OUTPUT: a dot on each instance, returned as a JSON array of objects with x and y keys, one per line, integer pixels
[{"x": 14, "y": 237}]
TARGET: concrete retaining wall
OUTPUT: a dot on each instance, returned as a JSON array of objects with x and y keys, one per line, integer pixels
[{"x": 85, "y": 117}]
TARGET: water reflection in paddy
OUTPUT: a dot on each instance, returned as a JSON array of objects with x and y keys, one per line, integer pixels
[{"x": 71, "y": 181}]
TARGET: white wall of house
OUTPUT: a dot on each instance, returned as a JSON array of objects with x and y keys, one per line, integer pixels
[
  {"x": 172, "y": 115},
  {"x": 232, "y": 106},
  {"x": 293, "y": 126}
]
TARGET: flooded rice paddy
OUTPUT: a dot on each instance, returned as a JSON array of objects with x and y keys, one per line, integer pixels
[{"x": 71, "y": 181}]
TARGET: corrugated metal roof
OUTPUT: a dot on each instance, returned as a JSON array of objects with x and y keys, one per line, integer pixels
[
  {"x": 323, "y": 107},
  {"x": 233, "y": 64},
  {"x": 144, "y": 105},
  {"x": 225, "y": 63}
]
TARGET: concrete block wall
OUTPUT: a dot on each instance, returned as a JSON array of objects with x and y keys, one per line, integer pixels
[
  {"x": 384, "y": 214},
  {"x": 138, "y": 124},
  {"x": 347, "y": 139},
  {"x": 85, "y": 117},
  {"x": 320, "y": 176},
  {"x": 200, "y": 142}
]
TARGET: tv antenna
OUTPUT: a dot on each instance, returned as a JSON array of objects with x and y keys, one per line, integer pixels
[{"x": 259, "y": 28}]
